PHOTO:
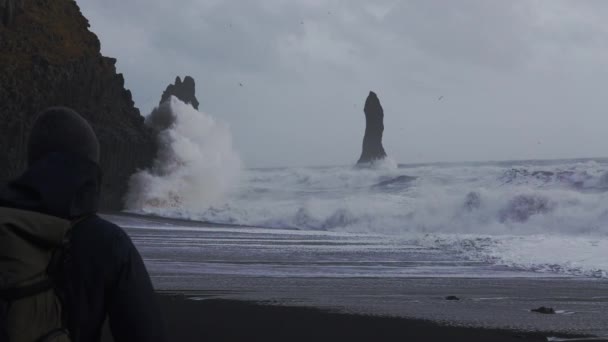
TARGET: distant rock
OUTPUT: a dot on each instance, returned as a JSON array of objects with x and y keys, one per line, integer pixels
[
  {"x": 472, "y": 201},
  {"x": 544, "y": 310},
  {"x": 374, "y": 128},
  {"x": 185, "y": 91},
  {"x": 404, "y": 179},
  {"x": 48, "y": 57},
  {"x": 522, "y": 207},
  {"x": 452, "y": 298}
]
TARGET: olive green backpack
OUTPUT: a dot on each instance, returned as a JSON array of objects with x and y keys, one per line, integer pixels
[{"x": 32, "y": 247}]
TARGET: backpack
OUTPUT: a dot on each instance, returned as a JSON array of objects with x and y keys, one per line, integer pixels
[{"x": 32, "y": 248}]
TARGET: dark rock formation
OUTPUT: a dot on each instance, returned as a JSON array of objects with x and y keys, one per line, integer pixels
[
  {"x": 472, "y": 201},
  {"x": 452, "y": 298},
  {"x": 48, "y": 57},
  {"x": 162, "y": 117},
  {"x": 374, "y": 127},
  {"x": 544, "y": 310},
  {"x": 185, "y": 91},
  {"x": 400, "y": 180},
  {"x": 522, "y": 207}
]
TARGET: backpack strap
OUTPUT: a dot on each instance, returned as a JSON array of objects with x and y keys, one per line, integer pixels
[
  {"x": 16, "y": 293},
  {"x": 61, "y": 259},
  {"x": 58, "y": 272}
]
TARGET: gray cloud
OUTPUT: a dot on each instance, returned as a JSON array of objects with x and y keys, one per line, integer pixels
[{"x": 520, "y": 79}]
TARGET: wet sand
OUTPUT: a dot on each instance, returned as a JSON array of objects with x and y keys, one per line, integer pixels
[{"x": 258, "y": 284}]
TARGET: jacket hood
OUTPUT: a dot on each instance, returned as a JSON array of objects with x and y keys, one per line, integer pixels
[
  {"x": 61, "y": 184},
  {"x": 26, "y": 243}
]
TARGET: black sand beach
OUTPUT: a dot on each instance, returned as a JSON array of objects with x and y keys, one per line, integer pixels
[
  {"x": 241, "y": 283},
  {"x": 327, "y": 253},
  {"x": 229, "y": 320}
]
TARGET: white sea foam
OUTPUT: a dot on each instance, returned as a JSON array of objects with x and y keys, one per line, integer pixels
[
  {"x": 197, "y": 166},
  {"x": 538, "y": 216},
  {"x": 546, "y": 217},
  {"x": 432, "y": 200}
]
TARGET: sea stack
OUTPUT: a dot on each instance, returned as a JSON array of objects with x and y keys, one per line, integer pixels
[
  {"x": 48, "y": 57},
  {"x": 374, "y": 127},
  {"x": 185, "y": 91}
]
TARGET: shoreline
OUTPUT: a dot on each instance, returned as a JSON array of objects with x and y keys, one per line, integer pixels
[
  {"x": 362, "y": 277},
  {"x": 212, "y": 319}
]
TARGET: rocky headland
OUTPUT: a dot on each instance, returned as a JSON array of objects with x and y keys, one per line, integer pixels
[{"x": 49, "y": 57}]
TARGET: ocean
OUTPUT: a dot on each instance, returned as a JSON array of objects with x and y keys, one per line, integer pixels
[
  {"x": 547, "y": 217},
  {"x": 388, "y": 239},
  {"x": 541, "y": 216}
]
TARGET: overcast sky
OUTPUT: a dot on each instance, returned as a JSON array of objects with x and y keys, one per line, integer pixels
[{"x": 519, "y": 79}]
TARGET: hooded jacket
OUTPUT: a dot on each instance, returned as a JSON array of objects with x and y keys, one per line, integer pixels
[{"x": 106, "y": 276}]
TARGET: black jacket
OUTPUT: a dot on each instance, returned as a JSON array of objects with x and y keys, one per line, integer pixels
[{"x": 105, "y": 275}]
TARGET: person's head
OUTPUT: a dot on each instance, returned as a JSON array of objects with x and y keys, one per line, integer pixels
[{"x": 61, "y": 129}]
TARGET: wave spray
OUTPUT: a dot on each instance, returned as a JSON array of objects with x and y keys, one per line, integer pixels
[{"x": 196, "y": 166}]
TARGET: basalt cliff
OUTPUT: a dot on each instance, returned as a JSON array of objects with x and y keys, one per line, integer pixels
[{"x": 49, "y": 57}]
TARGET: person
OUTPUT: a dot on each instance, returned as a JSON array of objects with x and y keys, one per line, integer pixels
[{"x": 105, "y": 275}]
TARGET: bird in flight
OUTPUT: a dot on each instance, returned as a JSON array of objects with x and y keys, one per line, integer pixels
[{"x": 440, "y": 98}]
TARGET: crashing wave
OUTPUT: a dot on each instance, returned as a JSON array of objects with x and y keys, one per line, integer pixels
[
  {"x": 196, "y": 166},
  {"x": 575, "y": 179},
  {"x": 469, "y": 205}
]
